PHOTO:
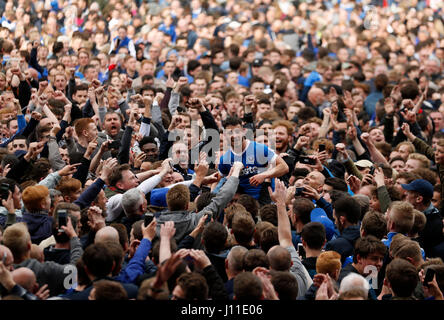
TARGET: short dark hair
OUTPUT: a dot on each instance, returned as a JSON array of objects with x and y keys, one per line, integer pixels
[
  {"x": 336, "y": 184},
  {"x": 269, "y": 238},
  {"x": 403, "y": 277},
  {"x": 194, "y": 286},
  {"x": 255, "y": 258},
  {"x": 214, "y": 237},
  {"x": 302, "y": 208},
  {"x": 250, "y": 204},
  {"x": 203, "y": 200},
  {"x": 116, "y": 174},
  {"x": 348, "y": 206},
  {"x": 314, "y": 235},
  {"x": 243, "y": 228},
  {"x": 247, "y": 286},
  {"x": 232, "y": 121},
  {"x": 269, "y": 213},
  {"x": 98, "y": 260},
  {"x": 368, "y": 245},
  {"x": 109, "y": 290},
  {"x": 285, "y": 284},
  {"x": 374, "y": 224}
]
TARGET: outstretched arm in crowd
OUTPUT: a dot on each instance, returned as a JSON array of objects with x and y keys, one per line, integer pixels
[{"x": 375, "y": 154}]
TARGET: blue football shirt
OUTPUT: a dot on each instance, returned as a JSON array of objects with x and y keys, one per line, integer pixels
[{"x": 256, "y": 158}]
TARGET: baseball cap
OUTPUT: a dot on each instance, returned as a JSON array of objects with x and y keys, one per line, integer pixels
[
  {"x": 257, "y": 63},
  {"x": 158, "y": 197},
  {"x": 423, "y": 187},
  {"x": 364, "y": 163},
  {"x": 319, "y": 215}
]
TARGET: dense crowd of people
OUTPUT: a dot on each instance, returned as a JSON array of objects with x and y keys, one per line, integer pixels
[{"x": 221, "y": 150}]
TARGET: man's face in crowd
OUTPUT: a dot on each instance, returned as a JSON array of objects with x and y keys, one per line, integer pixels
[
  {"x": 91, "y": 74},
  {"x": 65, "y": 155},
  {"x": 80, "y": 97},
  {"x": 13, "y": 127},
  {"x": 257, "y": 88},
  {"x": 439, "y": 155},
  {"x": 129, "y": 180},
  {"x": 412, "y": 164},
  {"x": 262, "y": 108},
  {"x": 218, "y": 58},
  {"x": 262, "y": 139},
  {"x": 169, "y": 68},
  {"x": 315, "y": 179},
  {"x": 373, "y": 259},
  {"x": 235, "y": 135},
  {"x": 177, "y": 177},
  {"x": 398, "y": 165},
  {"x": 83, "y": 58},
  {"x": 438, "y": 120},
  {"x": 436, "y": 199},
  {"x": 282, "y": 138},
  {"x": 404, "y": 151},
  {"x": 112, "y": 124},
  {"x": 91, "y": 132},
  {"x": 232, "y": 106},
  {"x": 201, "y": 87},
  {"x": 147, "y": 69},
  {"x": 154, "y": 53},
  {"x": 376, "y": 136},
  {"x": 122, "y": 33},
  {"x": 131, "y": 64},
  {"x": 151, "y": 151},
  {"x": 292, "y": 112},
  {"x": 60, "y": 82},
  {"x": 19, "y": 144}
]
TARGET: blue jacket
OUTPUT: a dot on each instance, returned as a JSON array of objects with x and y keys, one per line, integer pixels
[
  {"x": 130, "y": 289},
  {"x": 90, "y": 194},
  {"x": 345, "y": 243},
  {"x": 136, "y": 265},
  {"x": 39, "y": 225}
]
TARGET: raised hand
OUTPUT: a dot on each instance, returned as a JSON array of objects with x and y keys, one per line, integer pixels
[
  {"x": 167, "y": 230},
  {"x": 279, "y": 193},
  {"x": 409, "y": 116},
  {"x": 406, "y": 130},
  {"x": 170, "y": 83},
  {"x": 348, "y": 100},
  {"x": 149, "y": 232},
  {"x": 68, "y": 170},
  {"x": 107, "y": 168}
]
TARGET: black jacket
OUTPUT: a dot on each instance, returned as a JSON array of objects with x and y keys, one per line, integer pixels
[{"x": 345, "y": 243}]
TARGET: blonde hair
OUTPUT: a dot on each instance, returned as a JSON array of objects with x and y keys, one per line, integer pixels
[
  {"x": 425, "y": 162},
  {"x": 16, "y": 238}
]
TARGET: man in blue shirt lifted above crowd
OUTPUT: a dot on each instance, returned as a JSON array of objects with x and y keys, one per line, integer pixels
[{"x": 260, "y": 162}]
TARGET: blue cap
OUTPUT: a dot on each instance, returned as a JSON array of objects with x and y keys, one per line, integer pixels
[
  {"x": 423, "y": 187},
  {"x": 319, "y": 215},
  {"x": 158, "y": 197}
]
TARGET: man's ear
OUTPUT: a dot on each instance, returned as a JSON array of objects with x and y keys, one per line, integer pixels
[
  {"x": 409, "y": 259},
  {"x": 119, "y": 184},
  {"x": 342, "y": 219},
  {"x": 226, "y": 263},
  {"x": 419, "y": 199}
]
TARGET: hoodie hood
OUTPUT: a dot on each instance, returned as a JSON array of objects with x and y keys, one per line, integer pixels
[
  {"x": 351, "y": 233},
  {"x": 39, "y": 226},
  {"x": 183, "y": 222}
]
